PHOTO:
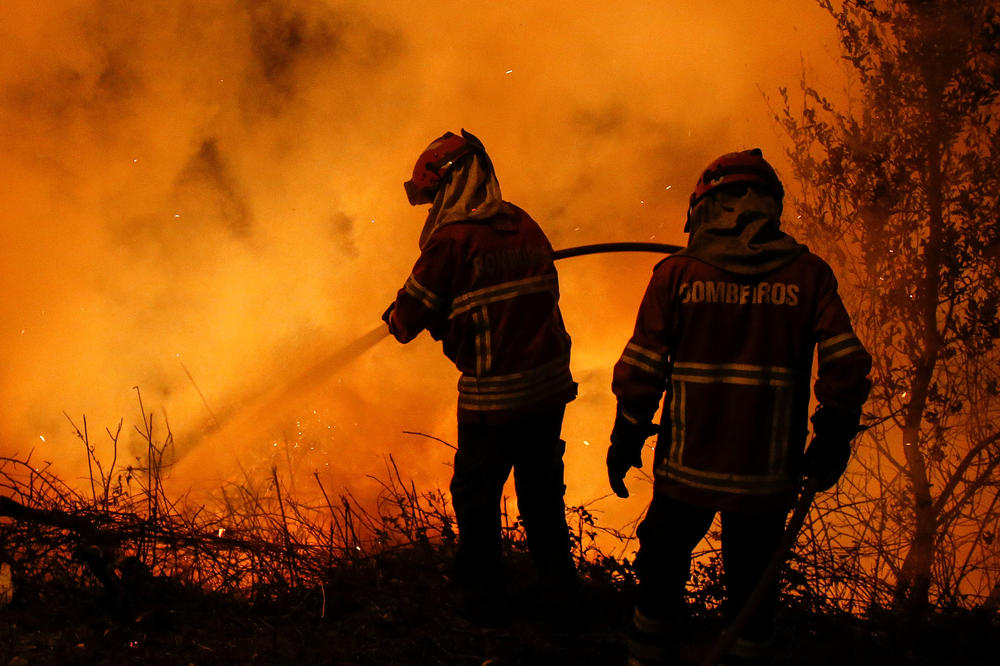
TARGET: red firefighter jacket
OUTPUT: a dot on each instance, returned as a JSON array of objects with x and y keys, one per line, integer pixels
[
  {"x": 734, "y": 356},
  {"x": 488, "y": 290}
]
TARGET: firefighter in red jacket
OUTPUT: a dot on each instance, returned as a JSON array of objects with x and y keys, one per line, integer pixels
[
  {"x": 485, "y": 285},
  {"x": 727, "y": 330}
]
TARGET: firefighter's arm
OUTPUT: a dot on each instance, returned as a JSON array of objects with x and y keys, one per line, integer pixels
[
  {"x": 841, "y": 388},
  {"x": 639, "y": 381},
  {"x": 423, "y": 301}
]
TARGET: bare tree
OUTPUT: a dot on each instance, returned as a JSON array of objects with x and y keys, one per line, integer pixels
[{"x": 901, "y": 187}]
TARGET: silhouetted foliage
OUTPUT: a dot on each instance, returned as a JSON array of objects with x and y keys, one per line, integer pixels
[
  {"x": 900, "y": 189},
  {"x": 275, "y": 572}
]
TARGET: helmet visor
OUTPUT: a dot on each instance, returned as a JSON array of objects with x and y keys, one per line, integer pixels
[{"x": 416, "y": 195}]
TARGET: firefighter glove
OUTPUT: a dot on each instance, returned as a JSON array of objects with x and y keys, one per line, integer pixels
[
  {"x": 625, "y": 452},
  {"x": 837, "y": 423},
  {"x": 826, "y": 458},
  {"x": 437, "y": 327},
  {"x": 388, "y": 312}
]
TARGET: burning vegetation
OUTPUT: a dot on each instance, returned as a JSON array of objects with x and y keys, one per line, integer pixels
[
  {"x": 204, "y": 201},
  {"x": 123, "y": 572}
]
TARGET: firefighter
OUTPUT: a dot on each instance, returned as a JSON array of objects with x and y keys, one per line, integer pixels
[
  {"x": 726, "y": 331},
  {"x": 485, "y": 285}
]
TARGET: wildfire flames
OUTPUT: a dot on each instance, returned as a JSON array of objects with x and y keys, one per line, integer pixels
[{"x": 204, "y": 201}]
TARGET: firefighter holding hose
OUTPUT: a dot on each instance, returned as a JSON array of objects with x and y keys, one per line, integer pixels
[
  {"x": 485, "y": 285},
  {"x": 727, "y": 330}
]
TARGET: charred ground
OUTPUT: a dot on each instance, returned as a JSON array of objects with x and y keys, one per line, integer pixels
[
  {"x": 127, "y": 577},
  {"x": 400, "y": 608}
]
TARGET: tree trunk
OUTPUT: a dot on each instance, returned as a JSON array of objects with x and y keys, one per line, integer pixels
[
  {"x": 992, "y": 603},
  {"x": 913, "y": 587}
]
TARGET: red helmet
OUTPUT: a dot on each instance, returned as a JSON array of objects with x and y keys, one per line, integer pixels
[
  {"x": 435, "y": 163},
  {"x": 745, "y": 166}
]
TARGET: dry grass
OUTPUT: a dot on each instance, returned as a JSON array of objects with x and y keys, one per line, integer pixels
[{"x": 121, "y": 572}]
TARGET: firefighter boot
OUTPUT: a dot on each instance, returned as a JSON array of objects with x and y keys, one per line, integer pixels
[
  {"x": 484, "y": 604},
  {"x": 749, "y": 652},
  {"x": 653, "y": 641}
]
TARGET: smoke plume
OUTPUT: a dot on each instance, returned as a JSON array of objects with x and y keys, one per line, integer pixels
[{"x": 203, "y": 201}]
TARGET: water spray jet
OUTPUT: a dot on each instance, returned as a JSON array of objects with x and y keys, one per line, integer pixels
[{"x": 277, "y": 403}]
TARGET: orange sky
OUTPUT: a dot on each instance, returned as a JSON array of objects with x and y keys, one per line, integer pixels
[{"x": 218, "y": 187}]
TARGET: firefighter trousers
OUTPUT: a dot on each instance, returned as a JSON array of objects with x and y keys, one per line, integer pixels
[
  {"x": 669, "y": 534},
  {"x": 486, "y": 454}
]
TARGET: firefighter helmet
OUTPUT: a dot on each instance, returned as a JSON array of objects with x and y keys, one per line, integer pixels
[
  {"x": 437, "y": 160},
  {"x": 745, "y": 167}
]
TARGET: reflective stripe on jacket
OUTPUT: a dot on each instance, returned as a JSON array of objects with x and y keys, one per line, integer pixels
[
  {"x": 733, "y": 354},
  {"x": 488, "y": 289}
]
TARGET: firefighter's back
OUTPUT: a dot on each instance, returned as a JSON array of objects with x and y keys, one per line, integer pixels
[
  {"x": 742, "y": 349},
  {"x": 505, "y": 331}
]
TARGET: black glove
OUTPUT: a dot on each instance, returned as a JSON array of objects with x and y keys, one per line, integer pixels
[
  {"x": 826, "y": 458},
  {"x": 625, "y": 452},
  {"x": 437, "y": 327},
  {"x": 388, "y": 312}
]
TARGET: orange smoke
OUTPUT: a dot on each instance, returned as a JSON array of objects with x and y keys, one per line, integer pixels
[{"x": 202, "y": 199}]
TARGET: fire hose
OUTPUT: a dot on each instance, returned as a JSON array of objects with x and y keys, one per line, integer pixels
[
  {"x": 326, "y": 366},
  {"x": 277, "y": 398},
  {"x": 596, "y": 248},
  {"x": 600, "y": 248}
]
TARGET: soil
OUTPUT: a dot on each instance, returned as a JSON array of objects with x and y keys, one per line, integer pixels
[{"x": 403, "y": 609}]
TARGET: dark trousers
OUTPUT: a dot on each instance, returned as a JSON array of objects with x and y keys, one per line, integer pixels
[
  {"x": 668, "y": 535},
  {"x": 486, "y": 454}
]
